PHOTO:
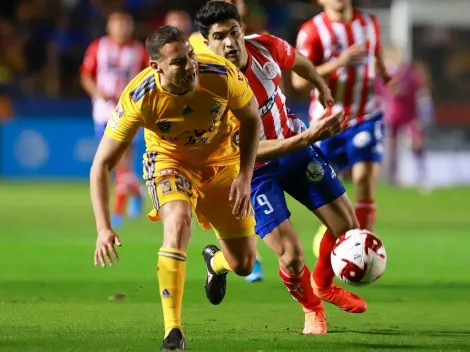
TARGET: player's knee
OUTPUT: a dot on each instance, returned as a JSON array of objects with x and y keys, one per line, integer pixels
[
  {"x": 177, "y": 229},
  {"x": 244, "y": 266},
  {"x": 292, "y": 262}
]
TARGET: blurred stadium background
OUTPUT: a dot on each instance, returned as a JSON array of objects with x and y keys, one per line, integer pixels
[
  {"x": 42, "y": 43},
  {"x": 51, "y": 297}
]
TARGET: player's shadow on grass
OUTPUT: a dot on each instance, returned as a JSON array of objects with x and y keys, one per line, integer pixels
[
  {"x": 433, "y": 333},
  {"x": 425, "y": 286}
]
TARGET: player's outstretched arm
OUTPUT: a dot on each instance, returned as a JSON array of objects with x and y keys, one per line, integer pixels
[
  {"x": 305, "y": 69},
  {"x": 320, "y": 129},
  {"x": 107, "y": 156}
]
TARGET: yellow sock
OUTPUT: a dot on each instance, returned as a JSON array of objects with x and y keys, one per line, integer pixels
[
  {"x": 171, "y": 273},
  {"x": 219, "y": 263}
]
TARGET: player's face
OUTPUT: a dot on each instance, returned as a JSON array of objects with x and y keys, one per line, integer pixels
[
  {"x": 178, "y": 67},
  {"x": 226, "y": 39},
  {"x": 120, "y": 26},
  {"x": 335, "y": 5}
]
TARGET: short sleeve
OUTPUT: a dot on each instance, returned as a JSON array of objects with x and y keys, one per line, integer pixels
[
  {"x": 283, "y": 53},
  {"x": 239, "y": 92},
  {"x": 309, "y": 43},
  {"x": 125, "y": 120},
  {"x": 90, "y": 60}
]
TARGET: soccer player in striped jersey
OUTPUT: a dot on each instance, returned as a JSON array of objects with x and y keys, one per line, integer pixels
[
  {"x": 345, "y": 46},
  {"x": 287, "y": 161},
  {"x": 192, "y": 162},
  {"x": 109, "y": 64}
]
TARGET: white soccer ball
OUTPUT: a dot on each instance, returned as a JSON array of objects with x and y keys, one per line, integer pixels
[{"x": 358, "y": 257}]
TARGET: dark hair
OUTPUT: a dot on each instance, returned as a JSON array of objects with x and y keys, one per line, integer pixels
[
  {"x": 158, "y": 39},
  {"x": 214, "y": 12}
]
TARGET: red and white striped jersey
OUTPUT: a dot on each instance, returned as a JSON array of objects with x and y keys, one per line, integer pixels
[
  {"x": 267, "y": 56},
  {"x": 113, "y": 66},
  {"x": 321, "y": 39}
]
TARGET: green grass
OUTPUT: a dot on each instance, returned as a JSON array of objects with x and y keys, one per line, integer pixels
[{"x": 52, "y": 298}]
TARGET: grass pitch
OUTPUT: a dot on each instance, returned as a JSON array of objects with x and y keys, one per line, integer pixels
[{"x": 52, "y": 298}]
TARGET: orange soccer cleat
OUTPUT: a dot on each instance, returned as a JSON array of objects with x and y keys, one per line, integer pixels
[
  {"x": 315, "y": 321},
  {"x": 340, "y": 297}
]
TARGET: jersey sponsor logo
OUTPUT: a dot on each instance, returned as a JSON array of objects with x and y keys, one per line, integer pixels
[
  {"x": 270, "y": 70},
  {"x": 287, "y": 48},
  {"x": 164, "y": 126},
  {"x": 168, "y": 172},
  {"x": 314, "y": 172},
  {"x": 268, "y": 104}
]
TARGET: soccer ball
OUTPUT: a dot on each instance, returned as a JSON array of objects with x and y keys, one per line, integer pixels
[{"x": 358, "y": 257}]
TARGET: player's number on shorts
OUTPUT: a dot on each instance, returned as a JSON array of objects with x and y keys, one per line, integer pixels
[{"x": 263, "y": 201}]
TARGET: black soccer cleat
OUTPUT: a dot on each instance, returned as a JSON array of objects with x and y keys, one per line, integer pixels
[
  {"x": 174, "y": 341},
  {"x": 216, "y": 284}
]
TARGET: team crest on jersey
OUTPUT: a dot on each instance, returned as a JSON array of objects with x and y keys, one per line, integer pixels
[
  {"x": 236, "y": 138},
  {"x": 165, "y": 186},
  {"x": 270, "y": 70},
  {"x": 164, "y": 126}
]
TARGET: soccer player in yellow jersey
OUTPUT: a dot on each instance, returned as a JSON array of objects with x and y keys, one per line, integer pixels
[
  {"x": 198, "y": 42},
  {"x": 193, "y": 163}
]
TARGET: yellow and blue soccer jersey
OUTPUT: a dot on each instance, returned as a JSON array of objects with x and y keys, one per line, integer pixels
[
  {"x": 197, "y": 42},
  {"x": 193, "y": 128}
]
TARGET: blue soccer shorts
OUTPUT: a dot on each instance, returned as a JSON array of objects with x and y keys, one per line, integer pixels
[
  {"x": 363, "y": 142},
  {"x": 306, "y": 175}
]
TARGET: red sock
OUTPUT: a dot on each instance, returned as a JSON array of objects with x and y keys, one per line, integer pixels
[
  {"x": 323, "y": 273},
  {"x": 365, "y": 212},
  {"x": 120, "y": 193},
  {"x": 300, "y": 288}
]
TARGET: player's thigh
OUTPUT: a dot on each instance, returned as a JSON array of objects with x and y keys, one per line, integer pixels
[
  {"x": 338, "y": 215},
  {"x": 313, "y": 182},
  {"x": 215, "y": 208},
  {"x": 167, "y": 182},
  {"x": 269, "y": 202},
  {"x": 286, "y": 244}
]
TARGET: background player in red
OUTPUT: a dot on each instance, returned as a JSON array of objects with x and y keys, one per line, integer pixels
[
  {"x": 110, "y": 63},
  {"x": 408, "y": 107},
  {"x": 344, "y": 44}
]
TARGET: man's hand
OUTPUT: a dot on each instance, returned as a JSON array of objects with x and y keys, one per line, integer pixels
[
  {"x": 105, "y": 243},
  {"x": 326, "y": 126},
  {"x": 325, "y": 97},
  {"x": 352, "y": 55},
  {"x": 240, "y": 191}
]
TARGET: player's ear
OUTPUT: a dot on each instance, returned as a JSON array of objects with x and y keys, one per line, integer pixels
[{"x": 155, "y": 66}]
